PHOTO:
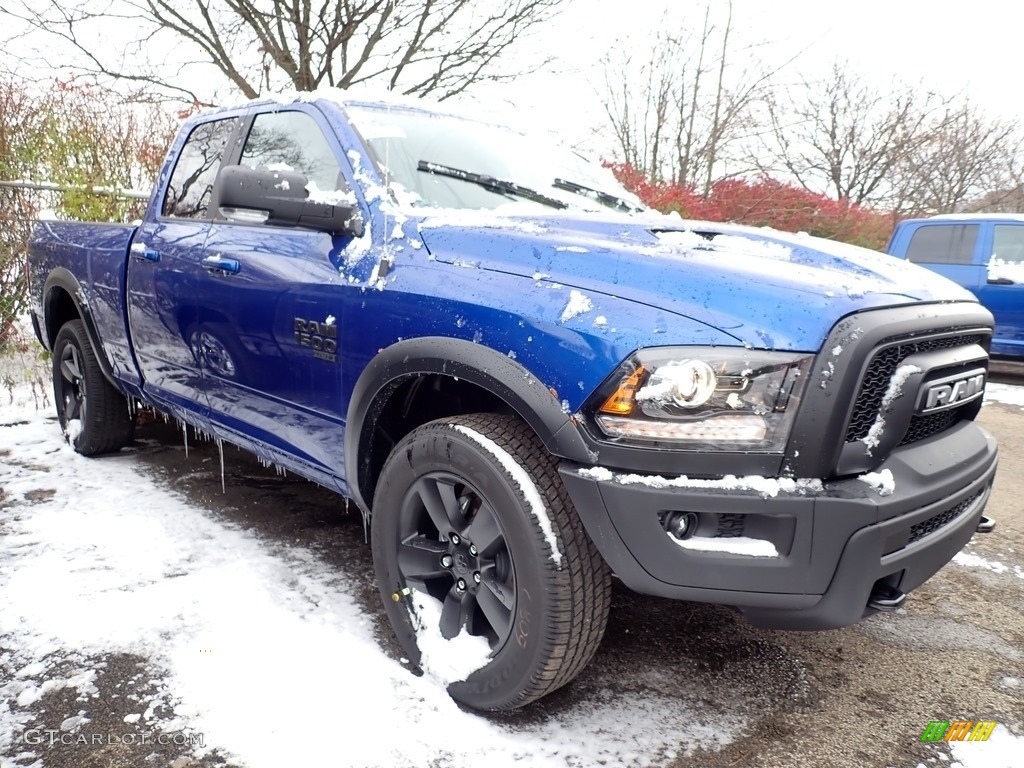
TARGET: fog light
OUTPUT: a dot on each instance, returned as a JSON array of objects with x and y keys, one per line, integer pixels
[{"x": 680, "y": 525}]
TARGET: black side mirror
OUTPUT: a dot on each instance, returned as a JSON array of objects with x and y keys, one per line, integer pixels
[{"x": 280, "y": 198}]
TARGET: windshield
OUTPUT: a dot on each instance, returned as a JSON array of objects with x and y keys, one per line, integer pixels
[{"x": 441, "y": 161}]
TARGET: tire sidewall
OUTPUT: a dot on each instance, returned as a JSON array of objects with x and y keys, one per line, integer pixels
[
  {"x": 525, "y": 653},
  {"x": 68, "y": 335}
]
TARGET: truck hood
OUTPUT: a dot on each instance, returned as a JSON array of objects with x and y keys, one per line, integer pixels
[{"x": 765, "y": 288}]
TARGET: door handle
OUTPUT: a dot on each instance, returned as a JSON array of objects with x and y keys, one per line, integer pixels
[
  {"x": 141, "y": 252},
  {"x": 1000, "y": 281},
  {"x": 220, "y": 264}
]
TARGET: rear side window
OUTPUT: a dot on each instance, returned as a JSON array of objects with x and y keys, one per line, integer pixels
[
  {"x": 943, "y": 244},
  {"x": 1008, "y": 243},
  {"x": 188, "y": 194},
  {"x": 293, "y": 141}
]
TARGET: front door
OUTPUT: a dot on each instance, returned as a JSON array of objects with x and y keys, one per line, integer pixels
[
  {"x": 1001, "y": 288},
  {"x": 272, "y": 365}
]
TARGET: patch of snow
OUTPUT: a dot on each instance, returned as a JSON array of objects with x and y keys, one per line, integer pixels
[
  {"x": 600, "y": 321},
  {"x": 571, "y": 249},
  {"x": 397, "y": 232},
  {"x": 837, "y": 350},
  {"x": 1002, "y": 750},
  {"x": 330, "y": 320},
  {"x": 883, "y": 482},
  {"x": 685, "y": 238},
  {"x": 892, "y": 393},
  {"x": 999, "y": 269},
  {"x": 596, "y": 473},
  {"x": 526, "y": 485},
  {"x": 578, "y": 304},
  {"x": 768, "y": 487},
  {"x": 73, "y": 430},
  {"x": 1008, "y": 394},
  {"x": 970, "y": 560},
  {"x": 280, "y": 167},
  {"x": 447, "y": 661},
  {"x": 734, "y": 545},
  {"x": 283, "y": 185}
]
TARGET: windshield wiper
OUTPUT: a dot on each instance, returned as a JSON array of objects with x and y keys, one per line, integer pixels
[
  {"x": 612, "y": 201},
  {"x": 501, "y": 186}
]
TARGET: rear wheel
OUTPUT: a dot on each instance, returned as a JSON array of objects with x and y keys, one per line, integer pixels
[
  {"x": 93, "y": 415},
  {"x": 475, "y": 540}
]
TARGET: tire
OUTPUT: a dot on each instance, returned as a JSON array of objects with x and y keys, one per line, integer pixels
[
  {"x": 541, "y": 600},
  {"x": 93, "y": 415}
]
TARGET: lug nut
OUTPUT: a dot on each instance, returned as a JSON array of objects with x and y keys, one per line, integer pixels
[
  {"x": 476, "y": 577},
  {"x": 447, "y": 561},
  {"x": 460, "y": 585},
  {"x": 472, "y": 550},
  {"x": 455, "y": 539}
]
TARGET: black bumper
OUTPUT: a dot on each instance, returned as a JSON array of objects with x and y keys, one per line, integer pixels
[{"x": 834, "y": 543}]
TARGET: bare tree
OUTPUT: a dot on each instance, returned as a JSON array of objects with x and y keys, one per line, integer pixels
[
  {"x": 842, "y": 137},
  {"x": 966, "y": 162},
  {"x": 693, "y": 104},
  {"x": 416, "y": 47}
]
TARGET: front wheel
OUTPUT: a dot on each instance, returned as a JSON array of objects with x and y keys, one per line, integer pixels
[
  {"x": 93, "y": 415},
  {"x": 489, "y": 579}
]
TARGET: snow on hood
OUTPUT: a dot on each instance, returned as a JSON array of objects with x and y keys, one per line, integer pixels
[{"x": 770, "y": 289}]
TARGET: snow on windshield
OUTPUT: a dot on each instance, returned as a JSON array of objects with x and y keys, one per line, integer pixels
[{"x": 401, "y": 138}]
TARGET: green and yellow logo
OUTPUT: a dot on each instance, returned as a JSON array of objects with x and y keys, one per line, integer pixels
[{"x": 958, "y": 730}]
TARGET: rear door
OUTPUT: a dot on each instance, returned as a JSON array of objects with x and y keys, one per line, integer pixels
[
  {"x": 953, "y": 249},
  {"x": 1001, "y": 286},
  {"x": 163, "y": 266},
  {"x": 272, "y": 363}
]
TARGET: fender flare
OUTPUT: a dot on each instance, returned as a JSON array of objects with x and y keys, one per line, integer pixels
[
  {"x": 466, "y": 361},
  {"x": 62, "y": 278}
]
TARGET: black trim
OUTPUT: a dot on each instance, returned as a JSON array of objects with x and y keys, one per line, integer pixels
[
  {"x": 62, "y": 278},
  {"x": 464, "y": 360},
  {"x": 816, "y": 442},
  {"x": 833, "y": 545}
]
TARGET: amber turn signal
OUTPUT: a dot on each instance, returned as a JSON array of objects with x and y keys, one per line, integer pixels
[{"x": 622, "y": 401}]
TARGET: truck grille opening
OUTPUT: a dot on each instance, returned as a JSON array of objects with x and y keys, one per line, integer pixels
[
  {"x": 876, "y": 381},
  {"x": 935, "y": 522}
]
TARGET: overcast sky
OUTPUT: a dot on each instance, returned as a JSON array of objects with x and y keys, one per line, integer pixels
[{"x": 973, "y": 47}]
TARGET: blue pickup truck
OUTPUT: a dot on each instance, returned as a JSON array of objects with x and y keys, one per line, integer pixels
[
  {"x": 982, "y": 252},
  {"x": 528, "y": 383}
]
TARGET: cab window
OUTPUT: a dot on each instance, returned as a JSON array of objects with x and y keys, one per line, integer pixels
[
  {"x": 292, "y": 141},
  {"x": 943, "y": 244},
  {"x": 191, "y": 186}
]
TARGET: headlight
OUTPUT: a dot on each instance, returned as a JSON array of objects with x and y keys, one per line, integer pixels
[{"x": 702, "y": 398}]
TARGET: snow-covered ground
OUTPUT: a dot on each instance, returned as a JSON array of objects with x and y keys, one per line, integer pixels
[
  {"x": 252, "y": 644},
  {"x": 263, "y": 648},
  {"x": 1010, "y": 394}
]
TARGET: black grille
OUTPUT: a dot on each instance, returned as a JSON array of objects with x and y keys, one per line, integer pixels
[
  {"x": 926, "y": 426},
  {"x": 876, "y": 382},
  {"x": 932, "y": 524}
]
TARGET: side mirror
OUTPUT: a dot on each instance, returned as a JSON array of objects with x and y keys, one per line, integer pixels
[{"x": 280, "y": 198}]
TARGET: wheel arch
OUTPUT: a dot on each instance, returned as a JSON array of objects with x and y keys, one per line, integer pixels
[
  {"x": 419, "y": 380},
  {"x": 63, "y": 301}
]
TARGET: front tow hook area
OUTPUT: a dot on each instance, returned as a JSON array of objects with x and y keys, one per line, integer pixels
[
  {"x": 985, "y": 525},
  {"x": 886, "y": 598}
]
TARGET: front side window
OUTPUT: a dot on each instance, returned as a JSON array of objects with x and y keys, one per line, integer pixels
[
  {"x": 943, "y": 244},
  {"x": 292, "y": 141},
  {"x": 188, "y": 194},
  {"x": 1008, "y": 244}
]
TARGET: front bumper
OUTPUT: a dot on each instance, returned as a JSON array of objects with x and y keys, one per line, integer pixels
[{"x": 834, "y": 543}]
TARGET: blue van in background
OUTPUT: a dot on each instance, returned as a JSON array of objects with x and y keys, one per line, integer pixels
[{"x": 982, "y": 252}]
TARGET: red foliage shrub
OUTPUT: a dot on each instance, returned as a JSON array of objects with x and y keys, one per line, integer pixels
[{"x": 764, "y": 202}]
